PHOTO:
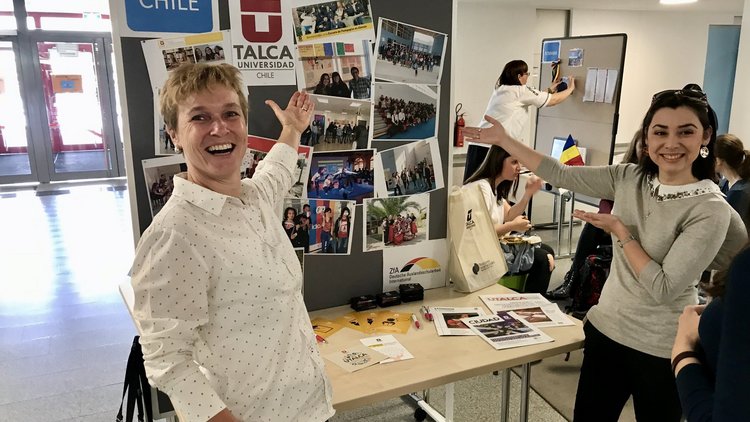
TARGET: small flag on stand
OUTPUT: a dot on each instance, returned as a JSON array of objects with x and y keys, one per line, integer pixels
[{"x": 570, "y": 155}]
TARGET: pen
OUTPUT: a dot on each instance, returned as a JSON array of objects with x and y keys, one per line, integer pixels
[
  {"x": 416, "y": 321},
  {"x": 320, "y": 339},
  {"x": 426, "y": 313}
]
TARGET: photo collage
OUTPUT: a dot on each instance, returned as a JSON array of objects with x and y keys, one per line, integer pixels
[{"x": 368, "y": 83}]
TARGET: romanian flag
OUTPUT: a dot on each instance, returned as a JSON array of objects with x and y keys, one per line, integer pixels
[{"x": 570, "y": 155}]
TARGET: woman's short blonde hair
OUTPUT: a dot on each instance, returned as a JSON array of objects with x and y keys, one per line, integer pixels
[{"x": 192, "y": 78}]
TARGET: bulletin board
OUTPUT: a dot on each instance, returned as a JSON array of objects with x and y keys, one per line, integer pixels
[
  {"x": 593, "y": 124},
  {"x": 328, "y": 280}
]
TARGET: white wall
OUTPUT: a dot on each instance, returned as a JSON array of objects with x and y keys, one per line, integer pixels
[
  {"x": 739, "y": 121},
  {"x": 665, "y": 50},
  {"x": 487, "y": 37}
]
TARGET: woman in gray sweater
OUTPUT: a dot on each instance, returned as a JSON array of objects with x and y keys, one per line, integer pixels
[{"x": 670, "y": 222}]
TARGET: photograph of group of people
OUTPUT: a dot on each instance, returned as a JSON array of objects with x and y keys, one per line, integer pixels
[
  {"x": 175, "y": 57},
  {"x": 405, "y": 111},
  {"x": 393, "y": 222},
  {"x": 408, "y": 54},
  {"x": 339, "y": 124},
  {"x": 258, "y": 147},
  {"x": 316, "y": 20},
  {"x": 158, "y": 174},
  {"x": 319, "y": 226},
  {"x": 342, "y": 175},
  {"x": 208, "y": 53},
  {"x": 409, "y": 169},
  {"x": 337, "y": 69}
]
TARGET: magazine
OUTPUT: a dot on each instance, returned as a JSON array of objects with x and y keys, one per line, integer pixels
[
  {"x": 448, "y": 320},
  {"x": 506, "y": 330},
  {"x": 389, "y": 346},
  {"x": 532, "y": 307}
]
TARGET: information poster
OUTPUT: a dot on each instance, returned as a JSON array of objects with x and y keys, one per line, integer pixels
[{"x": 263, "y": 41}]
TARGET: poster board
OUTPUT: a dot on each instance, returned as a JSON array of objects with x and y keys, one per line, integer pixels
[
  {"x": 329, "y": 280},
  {"x": 593, "y": 124}
]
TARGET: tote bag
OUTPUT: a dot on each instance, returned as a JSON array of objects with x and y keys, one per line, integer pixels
[{"x": 476, "y": 258}]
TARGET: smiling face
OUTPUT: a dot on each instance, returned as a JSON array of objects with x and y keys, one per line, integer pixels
[
  {"x": 212, "y": 132},
  {"x": 674, "y": 139}
]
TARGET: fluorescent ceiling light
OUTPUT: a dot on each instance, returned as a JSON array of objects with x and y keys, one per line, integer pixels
[
  {"x": 677, "y": 1},
  {"x": 355, "y": 104},
  {"x": 343, "y": 112},
  {"x": 323, "y": 100}
]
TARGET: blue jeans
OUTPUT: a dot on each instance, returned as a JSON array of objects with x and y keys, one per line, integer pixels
[
  {"x": 342, "y": 244},
  {"x": 325, "y": 238}
]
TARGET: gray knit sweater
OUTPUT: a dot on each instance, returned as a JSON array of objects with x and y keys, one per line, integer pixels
[{"x": 684, "y": 229}]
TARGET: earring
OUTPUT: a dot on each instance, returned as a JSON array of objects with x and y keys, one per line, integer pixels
[
  {"x": 178, "y": 150},
  {"x": 704, "y": 151}
]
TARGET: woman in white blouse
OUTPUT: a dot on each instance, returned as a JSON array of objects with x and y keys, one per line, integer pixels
[
  {"x": 510, "y": 103},
  {"x": 217, "y": 285}
]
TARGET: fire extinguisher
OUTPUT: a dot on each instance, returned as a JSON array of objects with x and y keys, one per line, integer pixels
[{"x": 458, "y": 128}]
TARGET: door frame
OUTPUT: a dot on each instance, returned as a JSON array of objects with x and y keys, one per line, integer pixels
[
  {"x": 22, "y": 86},
  {"x": 40, "y": 135}
]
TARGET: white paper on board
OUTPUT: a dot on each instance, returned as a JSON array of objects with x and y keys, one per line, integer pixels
[
  {"x": 609, "y": 94},
  {"x": 590, "y": 88},
  {"x": 601, "y": 84}
]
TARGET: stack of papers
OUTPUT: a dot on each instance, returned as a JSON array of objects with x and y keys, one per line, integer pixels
[
  {"x": 448, "y": 320},
  {"x": 506, "y": 330},
  {"x": 531, "y": 307}
]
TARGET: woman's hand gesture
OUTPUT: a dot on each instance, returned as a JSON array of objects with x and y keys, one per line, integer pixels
[
  {"x": 533, "y": 185},
  {"x": 298, "y": 112},
  {"x": 607, "y": 222},
  {"x": 493, "y": 135}
]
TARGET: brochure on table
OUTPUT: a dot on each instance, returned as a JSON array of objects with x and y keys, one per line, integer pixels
[
  {"x": 531, "y": 307},
  {"x": 389, "y": 346},
  {"x": 506, "y": 330},
  {"x": 448, "y": 320},
  {"x": 356, "y": 357}
]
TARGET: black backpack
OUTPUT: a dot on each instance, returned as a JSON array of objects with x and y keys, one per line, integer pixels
[
  {"x": 136, "y": 387},
  {"x": 593, "y": 274}
]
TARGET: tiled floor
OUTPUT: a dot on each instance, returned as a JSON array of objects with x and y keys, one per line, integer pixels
[{"x": 65, "y": 335}]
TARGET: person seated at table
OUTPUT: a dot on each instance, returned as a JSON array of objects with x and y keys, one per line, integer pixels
[
  {"x": 671, "y": 223},
  {"x": 225, "y": 332},
  {"x": 495, "y": 178}
]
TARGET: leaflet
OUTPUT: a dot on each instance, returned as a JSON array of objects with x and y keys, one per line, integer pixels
[
  {"x": 448, "y": 321},
  {"x": 355, "y": 358},
  {"x": 506, "y": 330},
  {"x": 389, "y": 346},
  {"x": 531, "y": 307}
]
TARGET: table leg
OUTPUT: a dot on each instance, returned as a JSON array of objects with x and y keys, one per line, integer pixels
[
  {"x": 560, "y": 220},
  {"x": 525, "y": 388},
  {"x": 449, "y": 402},
  {"x": 570, "y": 223},
  {"x": 505, "y": 398}
]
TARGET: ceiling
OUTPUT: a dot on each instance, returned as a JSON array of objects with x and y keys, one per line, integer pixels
[{"x": 731, "y": 6}]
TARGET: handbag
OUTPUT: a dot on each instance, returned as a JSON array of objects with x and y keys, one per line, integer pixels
[
  {"x": 476, "y": 258},
  {"x": 518, "y": 255}
]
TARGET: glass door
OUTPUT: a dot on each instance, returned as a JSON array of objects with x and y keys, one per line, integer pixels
[
  {"x": 81, "y": 136},
  {"x": 15, "y": 163}
]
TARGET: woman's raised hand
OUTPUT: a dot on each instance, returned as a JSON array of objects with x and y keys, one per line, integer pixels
[
  {"x": 533, "y": 185},
  {"x": 493, "y": 135},
  {"x": 298, "y": 112}
]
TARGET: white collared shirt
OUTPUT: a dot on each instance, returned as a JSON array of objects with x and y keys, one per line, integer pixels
[{"x": 218, "y": 297}]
